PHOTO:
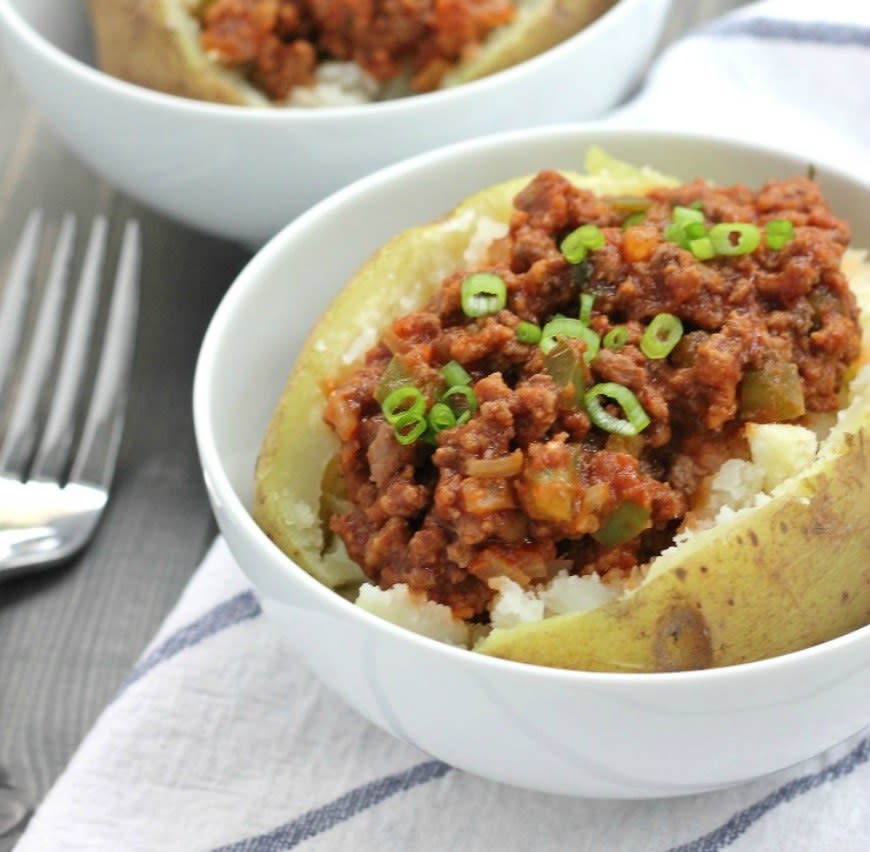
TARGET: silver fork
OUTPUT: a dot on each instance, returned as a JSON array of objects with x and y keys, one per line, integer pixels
[{"x": 51, "y": 494}]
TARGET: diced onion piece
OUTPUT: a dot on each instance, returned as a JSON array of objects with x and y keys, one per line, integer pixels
[
  {"x": 503, "y": 466},
  {"x": 395, "y": 376}
]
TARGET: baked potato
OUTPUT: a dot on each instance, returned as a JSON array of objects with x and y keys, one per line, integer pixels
[
  {"x": 159, "y": 44},
  {"x": 770, "y": 552}
]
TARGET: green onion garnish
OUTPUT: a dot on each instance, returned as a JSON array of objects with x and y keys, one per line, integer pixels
[
  {"x": 528, "y": 332},
  {"x": 695, "y": 230},
  {"x": 586, "y": 302},
  {"x": 567, "y": 327},
  {"x": 636, "y": 418},
  {"x": 778, "y": 232},
  {"x": 406, "y": 400},
  {"x": 697, "y": 205},
  {"x": 454, "y": 374},
  {"x": 748, "y": 238},
  {"x": 634, "y": 219},
  {"x": 441, "y": 417},
  {"x": 702, "y": 248},
  {"x": 409, "y": 426},
  {"x": 462, "y": 402},
  {"x": 686, "y": 215},
  {"x": 661, "y": 336},
  {"x": 675, "y": 233},
  {"x": 616, "y": 338},
  {"x": 483, "y": 293},
  {"x": 580, "y": 241}
]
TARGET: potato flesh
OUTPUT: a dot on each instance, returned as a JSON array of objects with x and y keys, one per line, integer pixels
[
  {"x": 779, "y": 578},
  {"x": 155, "y": 43}
]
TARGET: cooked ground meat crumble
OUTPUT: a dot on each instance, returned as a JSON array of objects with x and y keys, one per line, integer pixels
[
  {"x": 775, "y": 324},
  {"x": 279, "y": 43}
]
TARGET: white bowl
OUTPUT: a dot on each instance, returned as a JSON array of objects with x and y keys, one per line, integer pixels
[
  {"x": 244, "y": 173},
  {"x": 602, "y": 735}
]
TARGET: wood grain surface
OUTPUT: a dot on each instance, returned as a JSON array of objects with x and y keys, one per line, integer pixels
[{"x": 68, "y": 637}]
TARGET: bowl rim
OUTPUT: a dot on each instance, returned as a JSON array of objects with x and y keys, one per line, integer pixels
[
  {"x": 87, "y": 73},
  {"x": 248, "y": 278}
]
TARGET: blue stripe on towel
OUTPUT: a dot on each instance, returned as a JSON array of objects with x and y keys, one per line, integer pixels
[
  {"x": 730, "y": 831},
  {"x": 801, "y": 31},
  {"x": 321, "y": 819},
  {"x": 240, "y": 608}
]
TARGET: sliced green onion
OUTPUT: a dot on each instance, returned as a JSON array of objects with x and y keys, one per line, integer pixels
[
  {"x": 685, "y": 215},
  {"x": 441, "y": 417},
  {"x": 636, "y": 418},
  {"x": 567, "y": 327},
  {"x": 587, "y": 300},
  {"x": 675, "y": 233},
  {"x": 623, "y": 524},
  {"x": 580, "y": 241},
  {"x": 634, "y": 219},
  {"x": 462, "y": 401},
  {"x": 406, "y": 400},
  {"x": 702, "y": 248},
  {"x": 697, "y": 205},
  {"x": 409, "y": 426},
  {"x": 779, "y": 232},
  {"x": 483, "y": 293},
  {"x": 616, "y": 338},
  {"x": 661, "y": 336},
  {"x": 454, "y": 374},
  {"x": 528, "y": 332},
  {"x": 695, "y": 230},
  {"x": 722, "y": 235}
]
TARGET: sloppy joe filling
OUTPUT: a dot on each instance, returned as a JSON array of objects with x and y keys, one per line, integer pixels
[
  {"x": 566, "y": 418},
  {"x": 279, "y": 43}
]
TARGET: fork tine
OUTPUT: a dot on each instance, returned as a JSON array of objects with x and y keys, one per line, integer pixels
[
  {"x": 20, "y": 432},
  {"x": 53, "y": 451},
  {"x": 101, "y": 438},
  {"x": 13, "y": 305}
]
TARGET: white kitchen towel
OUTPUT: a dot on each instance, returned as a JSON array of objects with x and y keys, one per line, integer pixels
[{"x": 220, "y": 740}]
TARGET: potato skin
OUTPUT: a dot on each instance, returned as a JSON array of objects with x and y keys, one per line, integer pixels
[
  {"x": 783, "y": 577},
  {"x": 791, "y": 575},
  {"x": 154, "y": 43}
]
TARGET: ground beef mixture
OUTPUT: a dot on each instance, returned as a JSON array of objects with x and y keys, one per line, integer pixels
[
  {"x": 523, "y": 487},
  {"x": 279, "y": 43}
]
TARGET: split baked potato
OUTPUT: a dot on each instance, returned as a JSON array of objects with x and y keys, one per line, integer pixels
[
  {"x": 157, "y": 44},
  {"x": 777, "y": 570}
]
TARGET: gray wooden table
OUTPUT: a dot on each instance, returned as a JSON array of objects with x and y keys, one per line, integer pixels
[{"x": 68, "y": 637}]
